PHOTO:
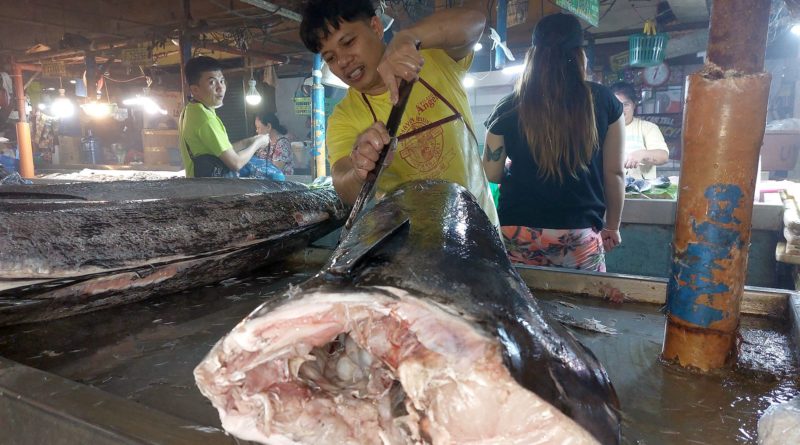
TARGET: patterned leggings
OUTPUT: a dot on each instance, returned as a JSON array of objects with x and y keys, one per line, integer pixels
[{"x": 572, "y": 248}]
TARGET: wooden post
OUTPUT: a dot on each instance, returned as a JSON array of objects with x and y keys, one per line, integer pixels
[
  {"x": 723, "y": 128},
  {"x": 23, "y": 127},
  {"x": 185, "y": 48}
]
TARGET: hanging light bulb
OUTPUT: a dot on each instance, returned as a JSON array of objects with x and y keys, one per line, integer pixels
[
  {"x": 468, "y": 81},
  {"x": 62, "y": 107},
  {"x": 252, "y": 97},
  {"x": 96, "y": 109},
  {"x": 148, "y": 105}
]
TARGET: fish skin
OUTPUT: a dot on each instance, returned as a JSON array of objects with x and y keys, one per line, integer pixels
[
  {"x": 72, "y": 248},
  {"x": 443, "y": 247}
]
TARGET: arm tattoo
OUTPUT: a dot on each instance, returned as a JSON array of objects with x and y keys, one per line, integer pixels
[{"x": 494, "y": 155}]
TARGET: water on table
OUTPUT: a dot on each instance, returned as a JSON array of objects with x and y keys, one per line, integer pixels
[
  {"x": 146, "y": 352},
  {"x": 665, "y": 405}
]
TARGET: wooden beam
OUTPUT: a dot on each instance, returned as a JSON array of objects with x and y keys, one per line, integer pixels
[{"x": 250, "y": 53}]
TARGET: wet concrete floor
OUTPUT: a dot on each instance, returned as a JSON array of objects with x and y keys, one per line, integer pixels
[{"x": 146, "y": 352}]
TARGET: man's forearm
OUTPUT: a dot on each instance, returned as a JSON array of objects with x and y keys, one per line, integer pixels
[
  {"x": 244, "y": 143},
  {"x": 652, "y": 157},
  {"x": 345, "y": 181},
  {"x": 452, "y": 30}
]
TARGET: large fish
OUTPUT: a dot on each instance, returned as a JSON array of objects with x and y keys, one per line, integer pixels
[
  {"x": 418, "y": 330},
  {"x": 72, "y": 248}
]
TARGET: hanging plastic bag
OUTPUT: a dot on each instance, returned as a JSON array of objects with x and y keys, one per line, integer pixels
[{"x": 258, "y": 168}]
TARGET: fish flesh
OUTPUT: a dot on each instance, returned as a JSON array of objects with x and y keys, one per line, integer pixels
[
  {"x": 78, "y": 247},
  {"x": 418, "y": 330}
]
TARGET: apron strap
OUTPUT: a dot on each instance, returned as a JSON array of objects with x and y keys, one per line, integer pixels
[
  {"x": 374, "y": 117},
  {"x": 449, "y": 105},
  {"x": 456, "y": 114},
  {"x": 415, "y": 131}
]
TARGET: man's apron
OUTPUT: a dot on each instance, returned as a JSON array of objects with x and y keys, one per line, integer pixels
[{"x": 418, "y": 145}]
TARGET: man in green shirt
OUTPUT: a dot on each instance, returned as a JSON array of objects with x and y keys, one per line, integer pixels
[{"x": 205, "y": 147}]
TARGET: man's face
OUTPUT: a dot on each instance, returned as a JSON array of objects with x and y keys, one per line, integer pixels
[
  {"x": 210, "y": 89},
  {"x": 353, "y": 52},
  {"x": 627, "y": 107}
]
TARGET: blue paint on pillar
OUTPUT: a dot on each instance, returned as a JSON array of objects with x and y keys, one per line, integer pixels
[
  {"x": 723, "y": 200},
  {"x": 693, "y": 271},
  {"x": 502, "y": 14},
  {"x": 318, "y": 107}
]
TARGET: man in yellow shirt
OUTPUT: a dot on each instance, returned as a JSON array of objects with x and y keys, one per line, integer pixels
[{"x": 435, "y": 137}]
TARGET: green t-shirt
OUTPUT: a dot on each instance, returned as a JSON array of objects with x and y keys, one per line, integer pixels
[{"x": 203, "y": 131}]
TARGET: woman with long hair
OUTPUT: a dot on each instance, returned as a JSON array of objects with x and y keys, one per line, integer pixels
[{"x": 561, "y": 197}]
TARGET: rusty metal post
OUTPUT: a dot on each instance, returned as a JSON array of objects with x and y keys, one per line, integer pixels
[
  {"x": 723, "y": 128},
  {"x": 185, "y": 48},
  {"x": 23, "y": 127}
]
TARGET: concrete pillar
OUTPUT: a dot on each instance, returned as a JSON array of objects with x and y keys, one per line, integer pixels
[{"x": 723, "y": 128}]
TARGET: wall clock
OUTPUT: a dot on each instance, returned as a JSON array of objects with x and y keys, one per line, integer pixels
[{"x": 655, "y": 76}]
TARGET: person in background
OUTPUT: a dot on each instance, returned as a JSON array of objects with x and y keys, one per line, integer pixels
[
  {"x": 561, "y": 198},
  {"x": 644, "y": 144},
  {"x": 204, "y": 144},
  {"x": 279, "y": 151},
  {"x": 435, "y": 138}
]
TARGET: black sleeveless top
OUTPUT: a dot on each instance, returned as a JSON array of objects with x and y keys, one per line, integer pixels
[{"x": 528, "y": 200}]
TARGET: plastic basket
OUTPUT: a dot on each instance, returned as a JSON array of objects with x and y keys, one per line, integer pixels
[{"x": 647, "y": 50}]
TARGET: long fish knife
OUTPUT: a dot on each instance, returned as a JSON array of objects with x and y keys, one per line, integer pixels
[{"x": 392, "y": 125}]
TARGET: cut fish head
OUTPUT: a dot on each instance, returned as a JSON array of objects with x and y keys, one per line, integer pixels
[{"x": 372, "y": 365}]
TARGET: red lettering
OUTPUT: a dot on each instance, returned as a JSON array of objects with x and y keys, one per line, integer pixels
[{"x": 426, "y": 104}]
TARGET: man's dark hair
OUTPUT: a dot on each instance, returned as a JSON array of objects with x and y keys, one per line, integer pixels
[
  {"x": 627, "y": 90},
  {"x": 196, "y": 66},
  {"x": 321, "y": 15}
]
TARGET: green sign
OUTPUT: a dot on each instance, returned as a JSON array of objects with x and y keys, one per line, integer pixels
[
  {"x": 136, "y": 56},
  {"x": 620, "y": 61},
  {"x": 54, "y": 69},
  {"x": 588, "y": 10}
]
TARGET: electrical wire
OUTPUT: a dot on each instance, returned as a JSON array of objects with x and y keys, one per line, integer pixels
[
  {"x": 609, "y": 10},
  {"x": 123, "y": 81}
]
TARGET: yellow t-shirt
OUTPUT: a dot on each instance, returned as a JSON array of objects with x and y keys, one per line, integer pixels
[{"x": 447, "y": 151}]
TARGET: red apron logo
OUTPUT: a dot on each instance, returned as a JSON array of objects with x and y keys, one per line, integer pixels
[{"x": 423, "y": 151}]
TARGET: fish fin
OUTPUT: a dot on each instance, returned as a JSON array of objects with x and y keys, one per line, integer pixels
[{"x": 364, "y": 238}]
